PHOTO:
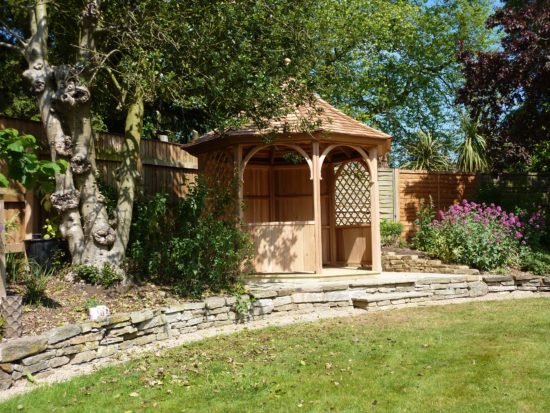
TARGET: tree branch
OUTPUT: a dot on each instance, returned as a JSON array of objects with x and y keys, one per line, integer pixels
[{"x": 12, "y": 47}]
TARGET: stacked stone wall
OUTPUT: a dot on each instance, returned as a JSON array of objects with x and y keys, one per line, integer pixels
[
  {"x": 413, "y": 263},
  {"x": 78, "y": 344}
]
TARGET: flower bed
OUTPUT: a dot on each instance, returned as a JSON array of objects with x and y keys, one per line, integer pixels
[{"x": 479, "y": 235}]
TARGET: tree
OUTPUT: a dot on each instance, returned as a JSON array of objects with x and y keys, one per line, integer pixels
[
  {"x": 393, "y": 64},
  {"x": 231, "y": 59},
  {"x": 508, "y": 89}
]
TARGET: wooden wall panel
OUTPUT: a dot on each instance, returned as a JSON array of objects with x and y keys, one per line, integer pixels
[
  {"x": 354, "y": 246},
  {"x": 293, "y": 181},
  {"x": 387, "y": 193},
  {"x": 256, "y": 181},
  {"x": 256, "y": 210},
  {"x": 326, "y": 246},
  {"x": 282, "y": 247},
  {"x": 294, "y": 209}
]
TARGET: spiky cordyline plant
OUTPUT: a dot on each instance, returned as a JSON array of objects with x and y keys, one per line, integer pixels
[
  {"x": 472, "y": 151},
  {"x": 426, "y": 153}
]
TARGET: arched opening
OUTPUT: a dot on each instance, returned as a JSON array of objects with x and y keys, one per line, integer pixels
[
  {"x": 352, "y": 214},
  {"x": 278, "y": 209}
]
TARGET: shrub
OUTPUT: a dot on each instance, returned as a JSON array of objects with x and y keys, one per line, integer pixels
[
  {"x": 485, "y": 237},
  {"x": 105, "y": 276},
  {"x": 192, "y": 244},
  {"x": 390, "y": 232},
  {"x": 35, "y": 279},
  {"x": 536, "y": 262},
  {"x": 15, "y": 267}
]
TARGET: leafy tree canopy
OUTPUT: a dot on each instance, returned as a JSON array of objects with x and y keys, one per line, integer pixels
[
  {"x": 509, "y": 89},
  {"x": 400, "y": 71},
  {"x": 391, "y": 64}
]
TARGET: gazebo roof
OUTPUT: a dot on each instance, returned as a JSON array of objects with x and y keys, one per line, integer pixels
[{"x": 319, "y": 119}]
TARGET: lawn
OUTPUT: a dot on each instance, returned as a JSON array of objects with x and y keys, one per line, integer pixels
[{"x": 477, "y": 357}]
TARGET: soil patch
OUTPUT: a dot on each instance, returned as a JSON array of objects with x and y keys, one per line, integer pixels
[{"x": 67, "y": 302}]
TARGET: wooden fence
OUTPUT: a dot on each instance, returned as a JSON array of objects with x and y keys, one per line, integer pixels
[
  {"x": 167, "y": 167},
  {"x": 401, "y": 191}
]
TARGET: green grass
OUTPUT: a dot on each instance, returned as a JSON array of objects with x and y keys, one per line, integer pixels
[{"x": 477, "y": 357}]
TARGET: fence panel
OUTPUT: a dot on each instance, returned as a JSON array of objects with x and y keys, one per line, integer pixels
[{"x": 167, "y": 167}]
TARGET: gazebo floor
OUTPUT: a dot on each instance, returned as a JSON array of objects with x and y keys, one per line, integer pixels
[
  {"x": 329, "y": 274},
  {"x": 355, "y": 279}
]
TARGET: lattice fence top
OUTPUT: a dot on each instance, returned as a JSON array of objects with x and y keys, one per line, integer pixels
[{"x": 352, "y": 195}]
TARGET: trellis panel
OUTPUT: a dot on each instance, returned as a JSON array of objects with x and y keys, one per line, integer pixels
[{"x": 352, "y": 195}]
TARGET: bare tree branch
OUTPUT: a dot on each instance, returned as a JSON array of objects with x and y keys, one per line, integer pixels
[{"x": 12, "y": 47}]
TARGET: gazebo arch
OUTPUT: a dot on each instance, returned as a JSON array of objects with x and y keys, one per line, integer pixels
[
  {"x": 258, "y": 148},
  {"x": 290, "y": 206}
]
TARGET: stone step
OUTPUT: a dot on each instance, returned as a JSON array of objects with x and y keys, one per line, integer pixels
[{"x": 361, "y": 300}]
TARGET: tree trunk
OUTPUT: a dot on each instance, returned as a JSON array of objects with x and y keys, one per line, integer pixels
[
  {"x": 65, "y": 110},
  {"x": 128, "y": 174}
]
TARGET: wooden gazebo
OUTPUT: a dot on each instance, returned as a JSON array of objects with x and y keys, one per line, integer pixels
[{"x": 309, "y": 197}]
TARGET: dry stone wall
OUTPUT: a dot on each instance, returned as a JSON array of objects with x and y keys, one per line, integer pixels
[
  {"x": 76, "y": 344},
  {"x": 414, "y": 263}
]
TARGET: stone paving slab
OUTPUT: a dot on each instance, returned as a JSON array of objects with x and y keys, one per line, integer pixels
[
  {"x": 374, "y": 280},
  {"x": 371, "y": 298}
]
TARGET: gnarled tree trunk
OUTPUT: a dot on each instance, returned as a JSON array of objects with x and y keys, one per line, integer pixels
[{"x": 65, "y": 109}]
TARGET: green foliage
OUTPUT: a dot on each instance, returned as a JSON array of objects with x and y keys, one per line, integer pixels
[
  {"x": 472, "y": 156},
  {"x": 1, "y": 328},
  {"x": 106, "y": 276},
  {"x": 91, "y": 302},
  {"x": 35, "y": 279},
  {"x": 15, "y": 267},
  {"x": 508, "y": 88},
  {"x": 51, "y": 229},
  {"x": 109, "y": 193},
  {"x": 536, "y": 262},
  {"x": 427, "y": 153},
  {"x": 520, "y": 193},
  {"x": 214, "y": 64},
  {"x": 20, "y": 154},
  {"x": 193, "y": 244},
  {"x": 60, "y": 259},
  {"x": 468, "y": 233},
  {"x": 393, "y": 64},
  {"x": 390, "y": 232},
  {"x": 243, "y": 302}
]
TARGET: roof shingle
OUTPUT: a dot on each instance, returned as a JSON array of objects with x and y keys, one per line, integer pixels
[{"x": 321, "y": 117}]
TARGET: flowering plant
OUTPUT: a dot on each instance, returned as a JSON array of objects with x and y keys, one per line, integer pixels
[{"x": 482, "y": 236}]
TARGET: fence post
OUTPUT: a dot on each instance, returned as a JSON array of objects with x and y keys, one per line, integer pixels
[{"x": 396, "y": 196}]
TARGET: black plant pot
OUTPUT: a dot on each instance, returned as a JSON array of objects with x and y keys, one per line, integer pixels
[{"x": 42, "y": 250}]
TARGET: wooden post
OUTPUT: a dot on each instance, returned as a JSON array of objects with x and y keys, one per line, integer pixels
[
  {"x": 3, "y": 282},
  {"x": 332, "y": 213},
  {"x": 317, "y": 209},
  {"x": 396, "y": 196},
  {"x": 240, "y": 179},
  {"x": 31, "y": 210},
  {"x": 375, "y": 211},
  {"x": 271, "y": 189}
]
